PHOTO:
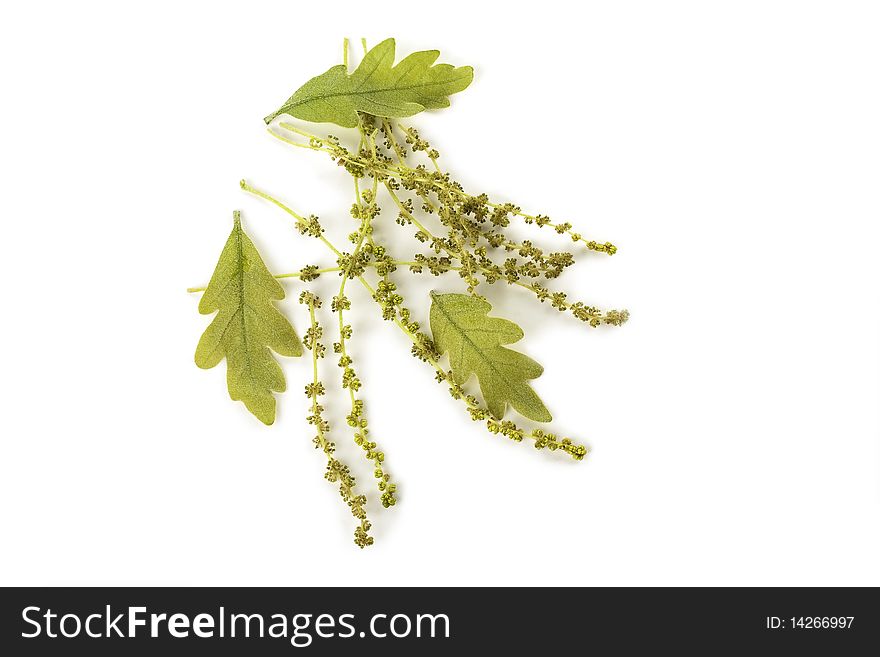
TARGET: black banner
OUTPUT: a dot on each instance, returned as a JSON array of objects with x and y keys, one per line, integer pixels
[{"x": 389, "y": 621}]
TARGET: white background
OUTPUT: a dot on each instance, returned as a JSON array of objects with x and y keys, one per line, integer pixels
[{"x": 730, "y": 150}]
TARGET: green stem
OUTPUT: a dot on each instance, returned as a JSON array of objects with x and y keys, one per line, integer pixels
[{"x": 299, "y": 218}]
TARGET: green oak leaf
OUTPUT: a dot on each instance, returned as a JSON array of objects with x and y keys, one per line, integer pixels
[
  {"x": 461, "y": 326},
  {"x": 377, "y": 87},
  {"x": 246, "y": 326}
]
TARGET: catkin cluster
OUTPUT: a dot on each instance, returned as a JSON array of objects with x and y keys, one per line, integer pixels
[{"x": 455, "y": 232}]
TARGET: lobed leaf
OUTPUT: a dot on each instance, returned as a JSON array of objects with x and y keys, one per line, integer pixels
[
  {"x": 247, "y": 325},
  {"x": 377, "y": 87},
  {"x": 461, "y": 326}
]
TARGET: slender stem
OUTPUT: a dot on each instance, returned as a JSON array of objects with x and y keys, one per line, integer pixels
[
  {"x": 310, "y": 146},
  {"x": 345, "y": 53},
  {"x": 299, "y": 218},
  {"x": 301, "y": 132}
]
